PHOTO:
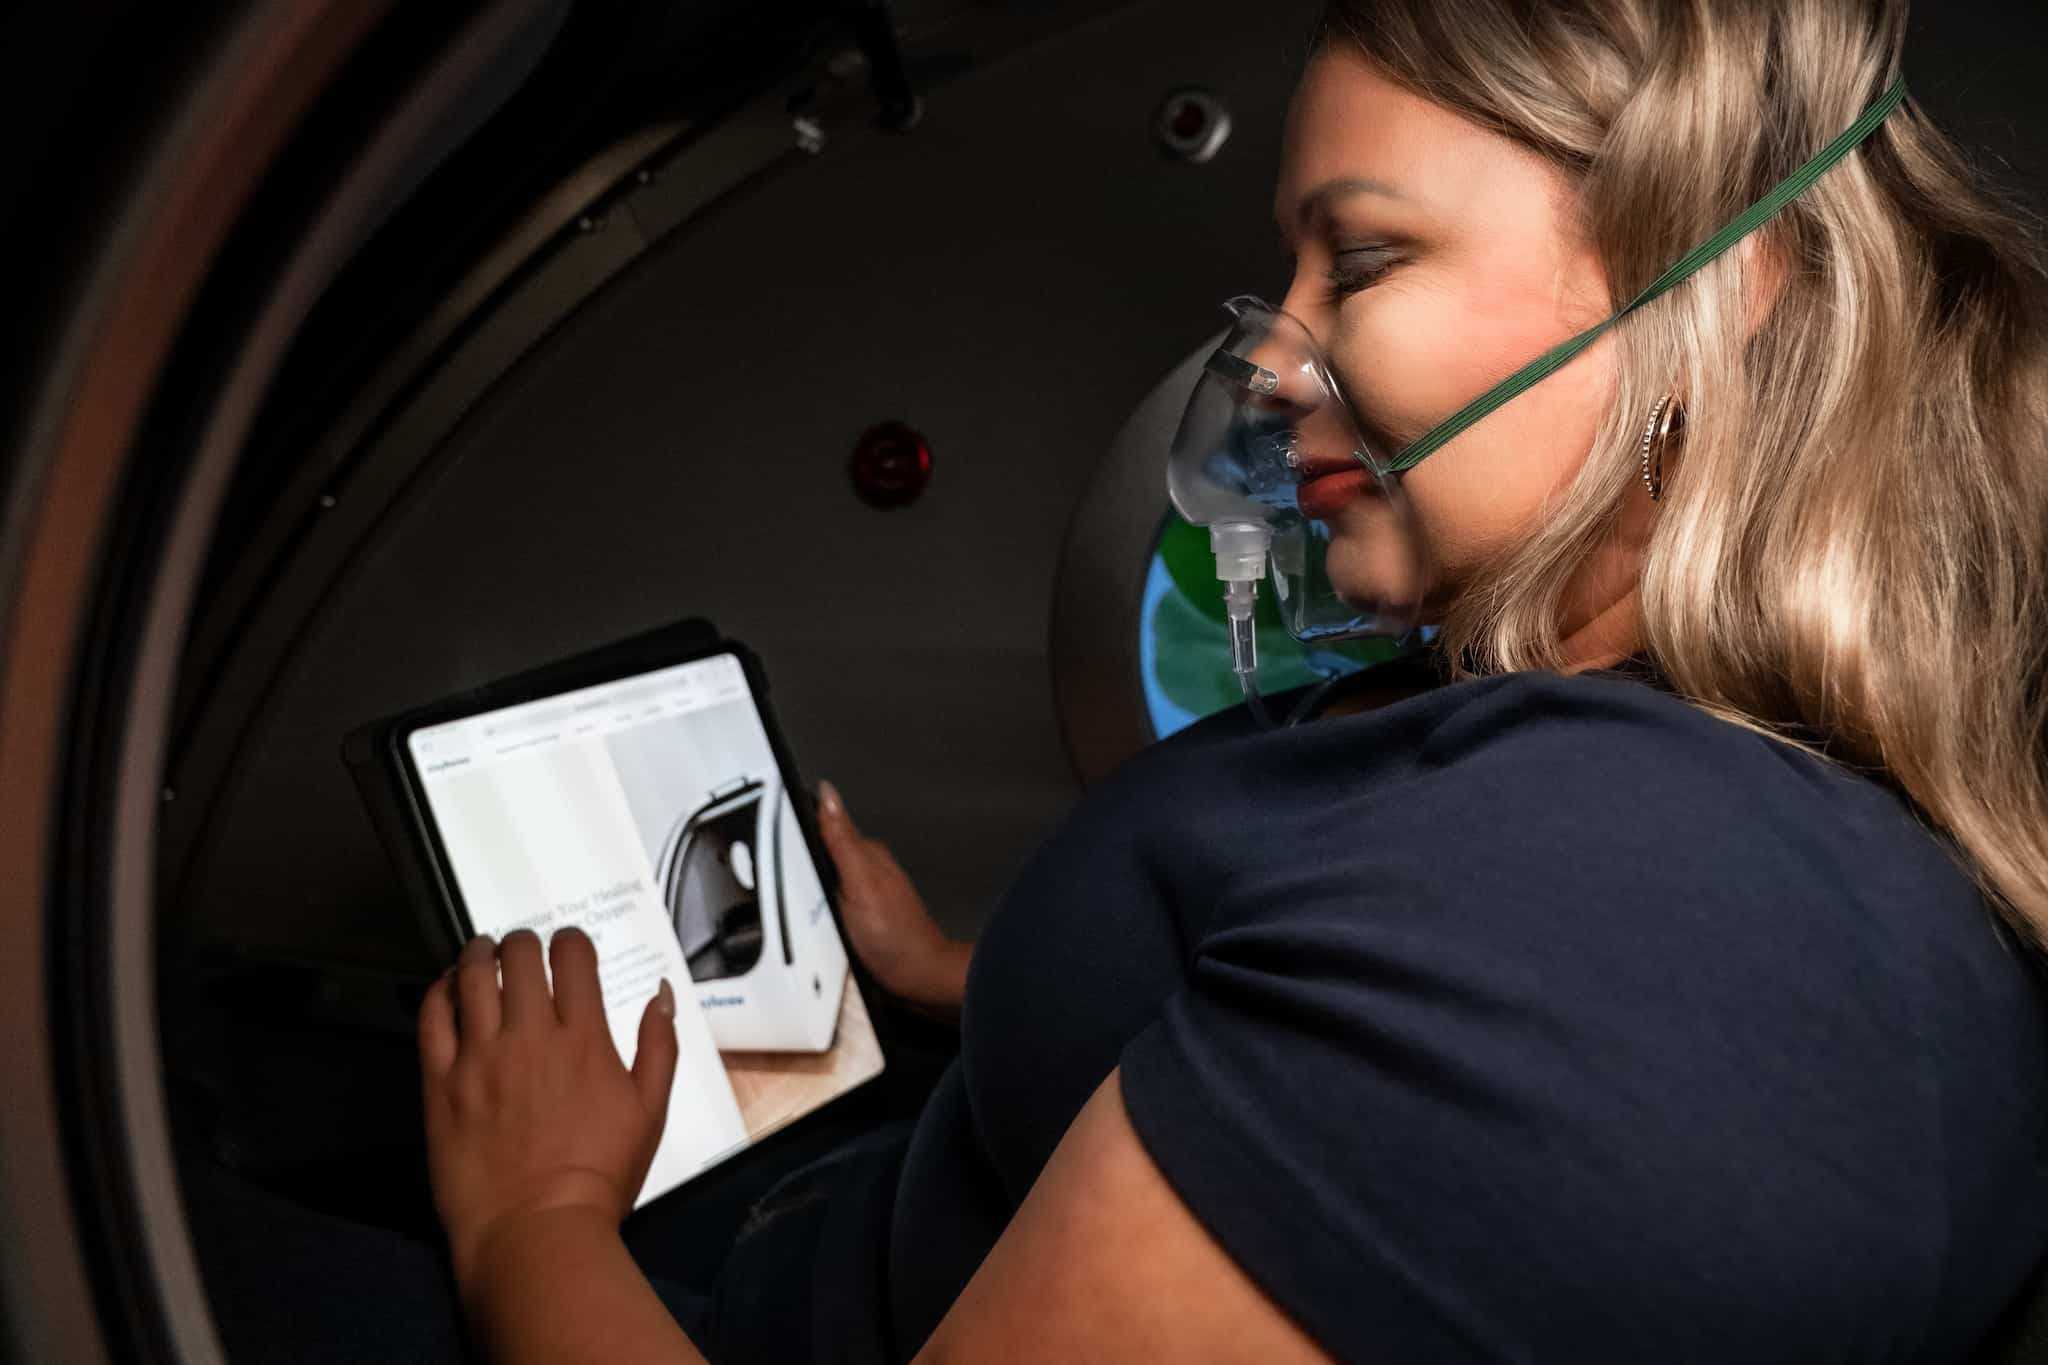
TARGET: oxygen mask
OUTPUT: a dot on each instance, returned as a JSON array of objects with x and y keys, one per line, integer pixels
[{"x": 1270, "y": 459}]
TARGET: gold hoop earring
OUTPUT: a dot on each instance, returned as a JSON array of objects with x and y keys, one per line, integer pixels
[{"x": 1666, "y": 420}]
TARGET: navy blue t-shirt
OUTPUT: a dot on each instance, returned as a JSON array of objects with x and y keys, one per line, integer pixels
[{"x": 1535, "y": 1019}]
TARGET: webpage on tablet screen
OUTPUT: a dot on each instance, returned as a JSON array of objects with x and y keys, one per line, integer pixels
[{"x": 650, "y": 813}]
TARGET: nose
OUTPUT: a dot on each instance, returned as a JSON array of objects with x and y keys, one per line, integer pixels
[
  {"x": 1284, "y": 384},
  {"x": 1284, "y": 358}
]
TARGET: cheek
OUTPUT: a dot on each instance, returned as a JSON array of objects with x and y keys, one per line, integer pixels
[
  {"x": 1416, "y": 355},
  {"x": 1413, "y": 351}
]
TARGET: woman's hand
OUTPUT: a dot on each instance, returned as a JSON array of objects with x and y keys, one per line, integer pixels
[
  {"x": 530, "y": 1113},
  {"x": 885, "y": 917}
]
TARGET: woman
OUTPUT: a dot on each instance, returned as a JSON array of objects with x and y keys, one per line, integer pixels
[{"x": 1660, "y": 989}]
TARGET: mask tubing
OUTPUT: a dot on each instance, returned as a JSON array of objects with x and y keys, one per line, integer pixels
[
  {"x": 1240, "y": 596},
  {"x": 1257, "y": 703}
]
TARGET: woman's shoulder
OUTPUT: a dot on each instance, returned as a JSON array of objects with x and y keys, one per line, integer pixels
[
  {"x": 1589, "y": 790},
  {"x": 1599, "y": 715},
  {"x": 1513, "y": 731},
  {"x": 1628, "y": 752},
  {"x": 1588, "y": 785},
  {"x": 1645, "y": 772}
]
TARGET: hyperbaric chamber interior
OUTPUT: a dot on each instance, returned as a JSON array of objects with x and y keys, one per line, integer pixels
[{"x": 1009, "y": 278}]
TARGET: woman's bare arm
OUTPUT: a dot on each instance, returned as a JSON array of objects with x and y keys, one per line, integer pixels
[
  {"x": 1104, "y": 1262},
  {"x": 559, "y": 1288}
]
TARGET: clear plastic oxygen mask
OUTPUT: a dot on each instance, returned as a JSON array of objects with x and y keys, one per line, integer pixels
[{"x": 1270, "y": 459}]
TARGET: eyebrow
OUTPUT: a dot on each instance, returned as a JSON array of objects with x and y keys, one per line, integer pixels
[{"x": 1343, "y": 187}]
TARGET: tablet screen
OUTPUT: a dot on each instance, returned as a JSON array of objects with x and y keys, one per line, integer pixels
[{"x": 650, "y": 812}]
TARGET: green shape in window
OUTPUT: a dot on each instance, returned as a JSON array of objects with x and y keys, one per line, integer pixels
[{"x": 1191, "y": 649}]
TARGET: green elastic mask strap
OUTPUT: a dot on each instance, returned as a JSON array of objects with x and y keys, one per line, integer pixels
[{"x": 1753, "y": 218}]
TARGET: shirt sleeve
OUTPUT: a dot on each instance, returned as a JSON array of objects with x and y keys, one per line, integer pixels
[{"x": 1568, "y": 1047}]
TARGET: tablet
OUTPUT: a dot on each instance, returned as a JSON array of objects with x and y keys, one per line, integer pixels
[{"x": 646, "y": 798}]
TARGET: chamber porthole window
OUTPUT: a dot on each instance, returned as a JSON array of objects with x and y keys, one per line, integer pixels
[{"x": 1184, "y": 653}]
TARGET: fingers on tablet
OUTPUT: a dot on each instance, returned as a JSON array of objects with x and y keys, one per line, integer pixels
[
  {"x": 525, "y": 994},
  {"x": 478, "y": 1009},
  {"x": 578, "y": 997},
  {"x": 438, "y": 1044}
]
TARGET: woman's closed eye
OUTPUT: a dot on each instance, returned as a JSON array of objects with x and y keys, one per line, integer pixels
[{"x": 1359, "y": 268}]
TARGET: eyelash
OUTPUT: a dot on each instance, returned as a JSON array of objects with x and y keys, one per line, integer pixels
[{"x": 1344, "y": 283}]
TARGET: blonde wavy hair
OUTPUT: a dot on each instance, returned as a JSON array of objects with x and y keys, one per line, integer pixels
[{"x": 1852, "y": 547}]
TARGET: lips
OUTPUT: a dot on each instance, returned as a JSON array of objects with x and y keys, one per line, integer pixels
[
  {"x": 1322, "y": 466},
  {"x": 1328, "y": 483}
]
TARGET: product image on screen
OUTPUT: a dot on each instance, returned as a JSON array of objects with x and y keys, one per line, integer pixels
[{"x": 650, "y": 813}]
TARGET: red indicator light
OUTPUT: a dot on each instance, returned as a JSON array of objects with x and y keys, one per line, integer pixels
[{"x": 891, "y": 465}]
